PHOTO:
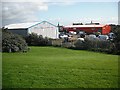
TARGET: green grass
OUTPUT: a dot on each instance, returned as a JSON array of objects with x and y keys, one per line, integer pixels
[{"x": 50, "y": 67}]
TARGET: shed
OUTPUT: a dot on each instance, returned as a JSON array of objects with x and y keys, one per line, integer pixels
[{"x": 44, "y": 28}]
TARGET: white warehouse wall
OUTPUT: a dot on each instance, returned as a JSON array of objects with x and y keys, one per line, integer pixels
[{"x": 45, "y": 29}]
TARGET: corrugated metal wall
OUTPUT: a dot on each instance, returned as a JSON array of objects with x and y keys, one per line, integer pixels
[
  {"x": 45, "y": 29},
  {"x": 23, "y": 32}
]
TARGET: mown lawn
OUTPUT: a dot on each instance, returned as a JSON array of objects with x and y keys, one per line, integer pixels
[{"x": 50, "y": 67}]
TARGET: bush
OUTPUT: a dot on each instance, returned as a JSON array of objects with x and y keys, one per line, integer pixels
[
  {"x": 12, "y": 42},
  {"x": 80, "y": 45},
  {"x": 95, "y": 45},
  {"x": 68, "y": 45},
  {"x": 116, "y": 40},
  {"x": 37, "y": 40},
  {"x": 99, "y": 45}
]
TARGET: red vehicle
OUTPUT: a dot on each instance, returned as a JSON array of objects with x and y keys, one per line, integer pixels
[{"x": 89, "y": 29}]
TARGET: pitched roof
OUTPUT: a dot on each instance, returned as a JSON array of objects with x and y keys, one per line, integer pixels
[
  {"x": 24, "y": 25},
  {"x": 20, "y": 25}
]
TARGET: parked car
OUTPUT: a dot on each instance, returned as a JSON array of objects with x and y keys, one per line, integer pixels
[
  {"x": 103, "y": 37},
  {"x": 81, "y": 32},
  {"x": 91, "y": 37},
  {"x": 111, "y": 36},
  {"x": 81, "y": 39},
  {"x": 63, "y": 36}
]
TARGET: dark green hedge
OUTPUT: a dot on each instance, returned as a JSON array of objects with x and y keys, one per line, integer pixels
[{"x": 37, "y": 40}]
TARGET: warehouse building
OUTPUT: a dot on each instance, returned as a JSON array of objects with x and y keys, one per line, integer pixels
[
  {"x": 43, "y": 28},
  {"x": 89, "y": 29}
]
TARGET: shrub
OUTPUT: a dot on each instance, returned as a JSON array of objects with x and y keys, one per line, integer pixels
[
  {"x": 37, "y": 40},
  {"x": 98, "y": 45},
  {"x": 116, "y": 40},
  {"x": 80, "y": 45},
  {"x": 12, "y": 42},
  {"x": 95, "y": 45},
  {"x": 68, "y": 45}
]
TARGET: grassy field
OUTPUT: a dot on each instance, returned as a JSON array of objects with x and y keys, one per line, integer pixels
[{"x": 50, "y": 67}]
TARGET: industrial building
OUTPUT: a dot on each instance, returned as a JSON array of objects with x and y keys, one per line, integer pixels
[
  {"x": 89, "y": 29},
  {"x": 43, "y": 28}
]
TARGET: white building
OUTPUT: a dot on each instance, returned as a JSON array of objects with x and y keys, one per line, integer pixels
[{"x": 43, "y": 28}]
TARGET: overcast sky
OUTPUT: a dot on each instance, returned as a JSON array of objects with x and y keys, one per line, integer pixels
[{"x": 65, "y": 12}]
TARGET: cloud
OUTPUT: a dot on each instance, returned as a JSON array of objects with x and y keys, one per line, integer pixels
[{"x": 13, "y": 12}]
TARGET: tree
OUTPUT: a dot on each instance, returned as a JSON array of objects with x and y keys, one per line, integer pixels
[
  {"x": 12, "y": 42},
  {"x": 32, "y": 39},
  {"x": 37, "y": 40},
  {"x": 116, "y": 40}
]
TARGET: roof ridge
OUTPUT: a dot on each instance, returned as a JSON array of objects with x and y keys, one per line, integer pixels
[{"x": 25, "y": 25}]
